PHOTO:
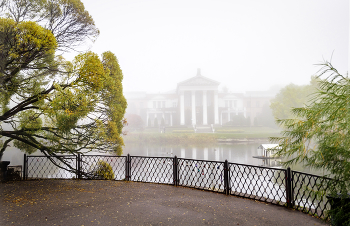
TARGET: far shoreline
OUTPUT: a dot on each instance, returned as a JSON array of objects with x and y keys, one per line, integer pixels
[{"x": 188, "y": 136}]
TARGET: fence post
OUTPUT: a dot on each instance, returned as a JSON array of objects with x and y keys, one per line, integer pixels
[
  {"x": 175, "y": 171},
  {"x": 226, "y": 178},
  {"x": 24, "y": 166},
  {"x": 79, "y": 165},
  {"x": 289, "y": 187},
  {"x": 292, "y": 201},
  {"x": 127, "y": 168}
]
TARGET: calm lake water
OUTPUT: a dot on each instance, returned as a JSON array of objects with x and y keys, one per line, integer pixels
[{"x": 236, "y": 153}]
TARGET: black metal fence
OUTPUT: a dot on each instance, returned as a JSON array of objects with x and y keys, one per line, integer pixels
[{"x": 293, "y": 189}]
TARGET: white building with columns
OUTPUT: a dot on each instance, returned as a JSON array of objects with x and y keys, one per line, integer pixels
[{"x": 195, "y": 101}]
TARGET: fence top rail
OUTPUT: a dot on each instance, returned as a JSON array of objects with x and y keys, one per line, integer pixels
[
  {"x": 264, "y": 167},
  {"x": 73, "y": 156},
  {"x": 57, "y": 156},
  {"x": 313, "y": 175},
  {"x": 114, "y": 156},
  {"x": 150, "y": 157},
  {"x": 201, "y": 160}
]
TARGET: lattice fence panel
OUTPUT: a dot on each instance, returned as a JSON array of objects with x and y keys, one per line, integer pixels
[
  {"x": 259, "y": 183},
  {"x": 90, "y": 163},
  {"x": 152, "y": 169},
  {"x": 310, "y": 193},
  {"x": 42, "y": 167},
  {"x": 208, "y": 175}
]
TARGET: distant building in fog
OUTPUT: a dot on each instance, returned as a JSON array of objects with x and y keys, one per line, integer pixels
[{"x": 196, "y": 100}]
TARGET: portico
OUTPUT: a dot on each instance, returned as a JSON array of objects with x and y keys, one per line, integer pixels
[
  {"x": 198, "y": 101},
  {"x": 195, "y": 102}
]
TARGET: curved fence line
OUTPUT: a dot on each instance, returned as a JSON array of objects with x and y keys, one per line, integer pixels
[{"x": 285, "y": 187}]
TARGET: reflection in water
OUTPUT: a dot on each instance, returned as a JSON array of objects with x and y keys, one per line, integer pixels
[
  {"x": 236, "y": 153},
  {"x": 272, "y": 162}
]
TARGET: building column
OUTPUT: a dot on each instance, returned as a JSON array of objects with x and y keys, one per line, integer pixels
[
  {"x": 182, "y": 108},
  {"x": 205, "y": 108},
  {"x": 171, "y": 119},
  {"x": 194, "y": 153},
  {"x": 193, "y": 103},
  {"x": 221, "y": 118},
  {"x": 206, "y": 154},
  {"x": 183, "y": 153},
  {"x": 147, "y": 120},
  {"x": 216, "y": 107},
  {"x": 229, "y": 115}
]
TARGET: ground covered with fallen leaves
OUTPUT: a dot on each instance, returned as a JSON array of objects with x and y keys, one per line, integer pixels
[{"x": 98, "y": 202}]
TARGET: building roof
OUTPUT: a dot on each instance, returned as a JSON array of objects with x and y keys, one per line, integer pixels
[{"x": 198, "y": 80}]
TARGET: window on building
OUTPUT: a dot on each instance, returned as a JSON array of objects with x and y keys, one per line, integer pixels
[
  {"x": 257, "y": 104},
  {"x": 230, "y": 103},
  {"x": 226, "y": 103},
  {"x": 235, "y": 103},
  {"x": 154, "y": 104},
  {"x": 248, "y": 103},
  {"x": 163, "y": 104},
  {"x": 174, "y": 104},
  {"x": 159, "y": 104}
]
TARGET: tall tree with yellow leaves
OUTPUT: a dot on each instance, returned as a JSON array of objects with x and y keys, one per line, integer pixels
[{"x": 50, "y": 104}]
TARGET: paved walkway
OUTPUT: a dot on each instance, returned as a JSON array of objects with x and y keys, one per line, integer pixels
[{"x": 91, "y": 202}]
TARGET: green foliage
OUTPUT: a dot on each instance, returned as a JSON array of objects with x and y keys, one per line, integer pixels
[
  {"x": 68, "y": 20},
  {"x": 318, "y": 134},
  {"x": 50, "y": 104},
  {"x": 292, "y": 96},
  {"x": 104, "y": 171}
]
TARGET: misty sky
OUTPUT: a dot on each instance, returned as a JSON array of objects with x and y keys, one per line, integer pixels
[{"x": 245, "y": 45}]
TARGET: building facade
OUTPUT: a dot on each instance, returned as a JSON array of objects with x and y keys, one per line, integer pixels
[{"x": 195, "y": 101}]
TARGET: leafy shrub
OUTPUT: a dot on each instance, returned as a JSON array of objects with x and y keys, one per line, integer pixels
[{"x": 104, "y": 171}]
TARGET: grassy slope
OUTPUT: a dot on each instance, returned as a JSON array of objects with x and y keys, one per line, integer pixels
[{"x": 188, "y": 136}]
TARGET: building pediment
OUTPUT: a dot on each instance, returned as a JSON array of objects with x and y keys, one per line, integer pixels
[{"x": 199, "y": 81}]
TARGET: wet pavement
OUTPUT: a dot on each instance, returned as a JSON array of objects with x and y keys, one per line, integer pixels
[{"x": 93, "y": 202}]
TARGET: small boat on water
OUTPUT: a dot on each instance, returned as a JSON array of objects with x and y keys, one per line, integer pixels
[{"x": 268, "y": 151}]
